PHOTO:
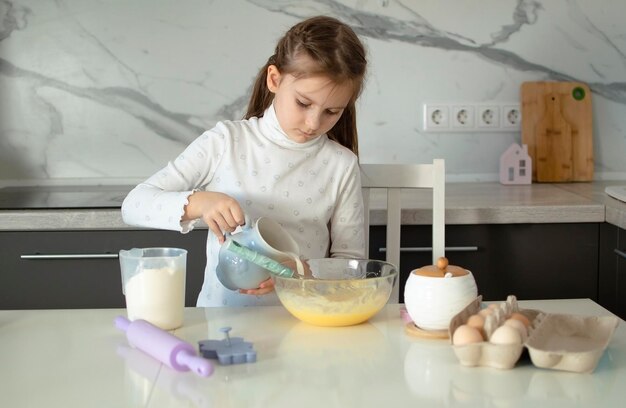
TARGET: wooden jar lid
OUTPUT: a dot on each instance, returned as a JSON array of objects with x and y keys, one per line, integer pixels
[{"x": 441, "y": 269}]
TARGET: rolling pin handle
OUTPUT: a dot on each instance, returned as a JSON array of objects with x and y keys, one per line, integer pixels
[
  {"x": 163, "y": 346},
  {"x": 199, "y": 365},
  {"x": 122, "y": 323}
]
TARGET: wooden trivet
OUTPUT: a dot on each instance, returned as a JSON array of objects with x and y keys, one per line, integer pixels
[{"x": 411, "y": 329}]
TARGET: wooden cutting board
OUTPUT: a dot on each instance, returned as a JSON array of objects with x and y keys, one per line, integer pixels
[{"x": 557, "y": 126}]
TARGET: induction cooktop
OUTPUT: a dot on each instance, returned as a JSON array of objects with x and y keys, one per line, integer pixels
[{"x": 42, "y": 197}]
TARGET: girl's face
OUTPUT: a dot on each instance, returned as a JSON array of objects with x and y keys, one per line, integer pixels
[{"x": 307, "y": 107}]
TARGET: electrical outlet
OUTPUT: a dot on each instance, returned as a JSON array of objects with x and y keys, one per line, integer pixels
[
  {"x": 488, "y": 116},
  {"x": 462, "y": 116},
  {"x": 511, "y": 116},
  {"x": 466, "y": 117},
  {"x": 436, "y": 117}
]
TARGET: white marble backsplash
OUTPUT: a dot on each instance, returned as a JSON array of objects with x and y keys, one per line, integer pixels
[{"x": 96, "y": 90}]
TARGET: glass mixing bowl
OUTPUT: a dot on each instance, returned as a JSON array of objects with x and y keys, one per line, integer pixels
[{"x": 337, "y": 292}]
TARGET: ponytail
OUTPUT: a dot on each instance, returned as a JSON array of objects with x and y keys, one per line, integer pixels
[{"x": 261, "y": 97}]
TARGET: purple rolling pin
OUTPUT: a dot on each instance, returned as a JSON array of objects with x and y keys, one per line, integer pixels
[{"x": 163, "y": 346}]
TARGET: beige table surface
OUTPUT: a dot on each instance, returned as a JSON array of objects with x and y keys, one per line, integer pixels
[{"x": 76, "y": 358}]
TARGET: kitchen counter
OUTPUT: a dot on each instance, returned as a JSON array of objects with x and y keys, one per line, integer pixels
[
  {"x": 466, "y": 203},
  {"x": 76, "y": 358}
]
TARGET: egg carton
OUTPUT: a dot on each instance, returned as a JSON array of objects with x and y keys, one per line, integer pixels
[{"x": 555, "y": 341}]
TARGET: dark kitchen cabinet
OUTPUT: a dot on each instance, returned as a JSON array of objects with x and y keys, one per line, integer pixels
[
  {"x": 83, "y": 282},
  {"x": 612, "y": 269},
  {"x": 530, "y": 261}
]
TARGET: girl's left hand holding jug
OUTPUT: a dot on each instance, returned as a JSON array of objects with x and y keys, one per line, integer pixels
[{"x": 219, "y": 211}]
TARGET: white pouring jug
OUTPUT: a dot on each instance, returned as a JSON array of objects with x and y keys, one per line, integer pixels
[{"x": 264, "y": 236}]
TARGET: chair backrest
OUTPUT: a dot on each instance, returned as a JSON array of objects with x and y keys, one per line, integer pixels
[{"x": 394, "y": 178}]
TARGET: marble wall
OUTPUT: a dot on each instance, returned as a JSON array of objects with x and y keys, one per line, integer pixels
[{"x": 101, "y": 91}]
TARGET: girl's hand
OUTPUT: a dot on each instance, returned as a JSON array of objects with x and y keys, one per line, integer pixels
[
  {"x": 264, "y": 288},
  {"x": 219, "y": 211}
]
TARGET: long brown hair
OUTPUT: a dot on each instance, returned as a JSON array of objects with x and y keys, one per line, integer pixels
[{"x": 337, "y": 53}]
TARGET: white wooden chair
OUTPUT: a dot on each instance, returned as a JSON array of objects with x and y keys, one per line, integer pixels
[{"x": 394, "y": 178}]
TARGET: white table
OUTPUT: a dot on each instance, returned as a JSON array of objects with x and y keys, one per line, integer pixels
[{"x": 76, "y": 358}]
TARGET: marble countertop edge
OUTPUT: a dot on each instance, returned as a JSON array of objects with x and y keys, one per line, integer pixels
[{"x": 466, "y": 204}]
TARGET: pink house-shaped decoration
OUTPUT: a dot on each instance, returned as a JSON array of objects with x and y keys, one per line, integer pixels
[{"x": 516, "y": 165}]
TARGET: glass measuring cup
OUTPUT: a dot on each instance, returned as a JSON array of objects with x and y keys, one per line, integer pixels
[{"x": 153, "y": 282}]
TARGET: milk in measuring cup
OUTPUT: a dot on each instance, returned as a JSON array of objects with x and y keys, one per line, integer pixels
[{"x": 154, "y": 285}]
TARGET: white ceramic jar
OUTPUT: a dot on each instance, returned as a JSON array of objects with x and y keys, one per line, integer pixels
[{"x": 432, "y": 301}]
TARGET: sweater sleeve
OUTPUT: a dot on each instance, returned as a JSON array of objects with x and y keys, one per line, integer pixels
[
  {"x": 347, "y": 221},
  {"x": 159, "y": 202}
]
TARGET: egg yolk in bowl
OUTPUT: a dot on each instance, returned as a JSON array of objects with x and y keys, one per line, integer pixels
[{"x": 337, "y": 292}]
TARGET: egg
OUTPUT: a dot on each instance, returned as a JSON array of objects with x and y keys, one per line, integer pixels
[
  {"x": 521, "y": 318},
  {"x": 519, "y": 326},
  {"x": 485, "y": 312},
  {"x": 505, "y": 335},
  {"x": 476, "y": 321},
  {"x": 465, "y": 334},
  {"x": 493, "y": 306}
]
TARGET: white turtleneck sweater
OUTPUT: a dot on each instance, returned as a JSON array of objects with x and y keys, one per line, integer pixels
[{"x": 312, "y": 189}]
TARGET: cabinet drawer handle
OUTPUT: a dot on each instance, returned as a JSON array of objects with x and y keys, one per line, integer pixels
[
  {"x": 429, "y": 249},
  {"x": 620, "y": 253},
  {"x": 68, "y": 256}
]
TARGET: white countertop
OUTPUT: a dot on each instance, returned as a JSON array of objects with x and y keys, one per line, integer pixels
[
  {"x": 76, "y": 358},
  {"x": 466, "y": 203}
]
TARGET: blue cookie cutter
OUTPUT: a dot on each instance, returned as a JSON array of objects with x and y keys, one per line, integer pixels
[{"x": 229, "y": 350}]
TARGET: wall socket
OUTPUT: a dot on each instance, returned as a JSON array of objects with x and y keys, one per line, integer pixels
[
  {"x": 511, "y": 116},
  {"x": 436, "y": 116},
  {"x": 472, "y": 117},
  {"x": 462, "y": 116}
]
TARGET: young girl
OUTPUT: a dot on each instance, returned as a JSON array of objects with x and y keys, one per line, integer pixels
[{"x": 293, "y": 159}]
